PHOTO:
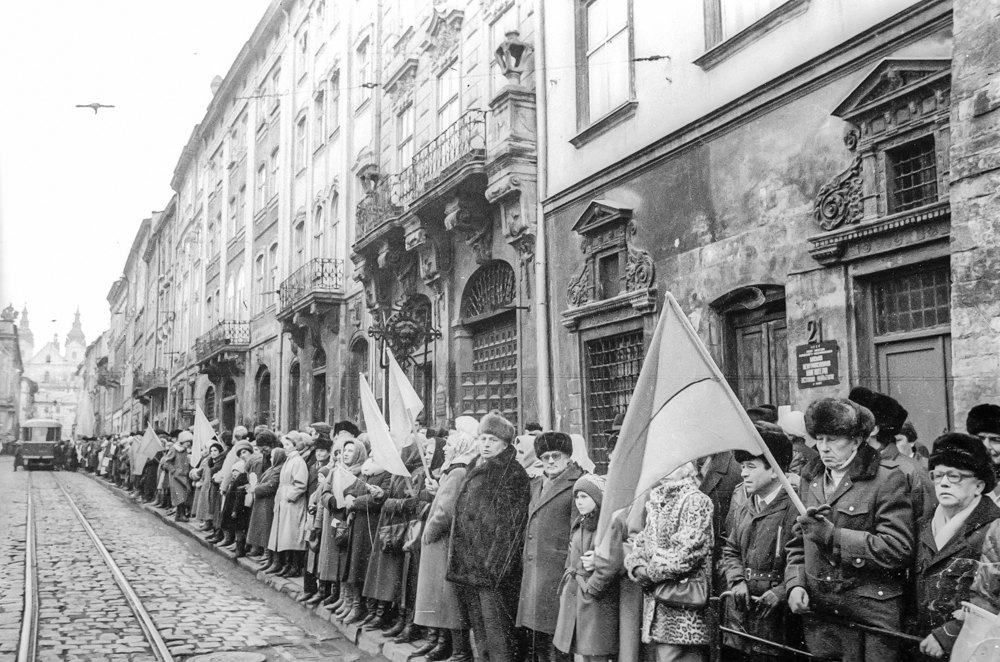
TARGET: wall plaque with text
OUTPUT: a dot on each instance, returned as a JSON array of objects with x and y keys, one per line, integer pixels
[{"x": 818, "y": 364}]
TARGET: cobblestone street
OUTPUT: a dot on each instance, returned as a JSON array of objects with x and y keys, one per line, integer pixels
[{"x": 199, "y": 603}]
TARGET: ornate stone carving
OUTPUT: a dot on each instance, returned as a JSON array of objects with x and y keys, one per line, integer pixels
[
  {"x": 443, "y": 35},
  {"x": 639, "y": 270},
  {"x": 9, "y": 314},
  {"x": 840, "y": 201},
  {"x": 491, "y": 289},
  {"x": 579, "y": 288},
  {"x": 472, "y": 219},
  {"x": 851, "y": 138},
  {"x": 512, "y": 56}
]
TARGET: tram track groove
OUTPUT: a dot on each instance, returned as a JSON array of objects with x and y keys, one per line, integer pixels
[{"x": 28, "y": 643}]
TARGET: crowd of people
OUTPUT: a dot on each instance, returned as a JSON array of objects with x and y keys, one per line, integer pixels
[{"x": 496, "y": 534}]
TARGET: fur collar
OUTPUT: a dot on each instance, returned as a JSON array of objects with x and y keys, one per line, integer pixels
[{"x": 864, "y": 467}]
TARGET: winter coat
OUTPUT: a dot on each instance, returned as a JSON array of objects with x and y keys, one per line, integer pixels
[
  {"x": 862, "y": 575},
  {"x": 331, "y": 557},
  {"x": 202, "y": 497},
  {"x": 262, "y": 511},
  {"x": 719, "y": 483},
  {"x": 551, "y": 512},
  {"x": 587, "y": 623},
  {"x": 235, "y": 514},
  {"x": 178, "y": 466},
  {"x": 754, "y": 552},
  {"x": 488, "y": 531},
  {"x": 944, "y": 577},
  {"x": 986, "y": 585},
  {"x": 675, "y": 543},
  {"x": 919, "y": 484},
  {"x": 366, "y": 510},
  {"x": 290, "y": 506},
  {"x": 383, "y": 581},
  {"x": 437, "y": 603}
]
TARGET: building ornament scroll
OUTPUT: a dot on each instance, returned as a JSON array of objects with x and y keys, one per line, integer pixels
[{"x": 840, "y": 200}]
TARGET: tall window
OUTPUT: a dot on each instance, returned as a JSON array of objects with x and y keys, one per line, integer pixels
[
  {"x": 275, "y": 93},
  {"x": 240, "y": 301},
  {"x": 273, "y": 166},
  {"x": 212, "y": 245},
  {"x": 230, "y": 297},
  {"x": 301, "y": 54},
  {"x": 333, "y": 103},
  {"x": 261, "y": 191},
  {"x": 272, "y": 284},
  {"x": 737, "y": 15},
  {"x": 448, "y": 86},
  {"x": 606, "y": 78},
  {"x": 299, "y": 243},
  {"x": 319, "y": 221},
  {"x": 241, "y": 206},
  {"x": 319, "y": 119},
  {"x": 232, "y": 216},
  {"x": 210, "y": 311},
  {"x": 364, "y": 73},
  {"x": 300, "y": 143},
  {"x": 404, "y": 137},
  {"x": 258, "y": 283},
  {"x": 912, "y": 180}
]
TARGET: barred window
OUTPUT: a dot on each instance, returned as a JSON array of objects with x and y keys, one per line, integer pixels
[
  {"x": 913, "y": 301},
  {"x": 912, "y": 174},
  {"x": 612, "y": 370}
]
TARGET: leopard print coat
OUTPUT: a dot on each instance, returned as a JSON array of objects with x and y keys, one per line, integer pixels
[{"x": 676, "y": 541}]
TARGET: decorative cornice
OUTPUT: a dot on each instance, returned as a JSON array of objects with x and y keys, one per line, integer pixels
[{"x": 642, "y": 301}]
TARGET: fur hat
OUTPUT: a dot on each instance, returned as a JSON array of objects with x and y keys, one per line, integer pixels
[
  {"x": 889, "y": 414},
  {"x": 324, "y": 443},
  {"x": 964, "y": 451},
  {"x": 839, "y": 417},
  {"x": 776, "y": 441},
  {"x": 592, "y": 485},
  {"x": 498, "y": 426},
  {"x": 321, "y": 427},
  {"x": 347, "y": 426},
  {"x": 553, "y": 441},
  {"x": 266, "y": 439},
  {"x": 766, "y": 413},
  {"x": 240, "y": 432},
  {"x": 983, "y": 418}
]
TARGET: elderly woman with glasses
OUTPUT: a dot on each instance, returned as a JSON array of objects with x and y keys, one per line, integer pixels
[{"x": 950, "y": 539}]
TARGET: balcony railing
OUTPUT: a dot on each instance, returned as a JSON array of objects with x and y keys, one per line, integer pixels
[
  {"x": 224, "y": 335},
  {"x": 109, "y": 378},
  {"x": 320, "y": 275},
  {"x": 461, "y": 143},
  {"x": 153, "y": 380}
]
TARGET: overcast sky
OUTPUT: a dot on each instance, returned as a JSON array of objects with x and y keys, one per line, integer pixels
[{"x": 74, "y": 186}]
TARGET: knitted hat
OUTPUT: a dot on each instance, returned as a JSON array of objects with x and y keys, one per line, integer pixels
[
  {"x": 889, "y": 414},
  {"x": 498, "y": 426},
  {"x": 553, "y": 441},
  {"x": 776, "y": 441},
  {"x": 964, "y": 451},
  {"x": 983, "y": 418},
  {"x": 839, "y": 417},
  {"x": 592, "y": 485}
]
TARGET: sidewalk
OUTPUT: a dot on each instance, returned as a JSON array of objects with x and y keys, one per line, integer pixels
[{"x": 372, "y": 643}]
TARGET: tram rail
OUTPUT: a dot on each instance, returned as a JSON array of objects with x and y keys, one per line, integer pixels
[{"x": 28, "y": 638}]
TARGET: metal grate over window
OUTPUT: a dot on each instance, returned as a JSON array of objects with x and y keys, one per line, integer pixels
[
  {"x": 914, "y": 174},
  {"x": 917, "y": 300},
  {"x": 492, "y": 383},
  {"x": 612, "y": 365}
]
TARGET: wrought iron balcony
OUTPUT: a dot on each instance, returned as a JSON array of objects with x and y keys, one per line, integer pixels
[
  {"x": 461, "y": 143},
  {"x": 379, "y": 207},
  {"x": 224, "y": 336},
  {"x": 109, "y": 378},
  {"x": 153, "y": 380},
  {"x": 320, "y": 280}
]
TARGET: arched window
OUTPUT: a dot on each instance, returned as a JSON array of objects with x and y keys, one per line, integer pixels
[
  {"x": 229, "y": 404},
  {"x": 319, "y": 225},
  {"x": 358, "y": 365},
  {"x": 319, "y": 385},
  {"x": 264, "y": 396},
  {"x": 209, "y": 404},
  {"x": 294, "y": 375}
]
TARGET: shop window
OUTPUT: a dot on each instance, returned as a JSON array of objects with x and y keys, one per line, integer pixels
[{"x": 912, "y": 179}]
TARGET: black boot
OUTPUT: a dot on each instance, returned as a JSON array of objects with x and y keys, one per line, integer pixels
[
  {"x": 376, "y": 616},
  {"x": 442, "y": 651},
  {"x": 432, "y": 639},
  {"x": 391, "y": 617},
  {"x": 275, "y": 564},
  {"x": 319, "y": 596},
  {"x": 335, "y": 599},
  {"x": 216, "y": 536},
  {"x": 227, "y": 539},
  {"x": 241, "y": 546},
  {"x": 358, "y": 609},
  {"x": 461, "y": 647},
  {"x": 411, "y": 632},
  {"x": 404, "y": 617}
]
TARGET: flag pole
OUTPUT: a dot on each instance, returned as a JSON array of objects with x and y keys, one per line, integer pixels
[{"x": 782, "y": 478}]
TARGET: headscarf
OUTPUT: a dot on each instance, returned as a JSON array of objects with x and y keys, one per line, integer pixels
[
  {"x": 360, "y": 455},
  {"x": 465, "y": 448},
  {"x": 278, "y": 457}
]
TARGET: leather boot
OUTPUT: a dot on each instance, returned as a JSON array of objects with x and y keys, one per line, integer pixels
[
  {"x": 288, "y": 566},
  {"x": 389, "y": 619},
  {"x": 442, "y": 651},
  {"x": 336, "y": 597},
  {"x": 216, "y": 536},
  {"x": 358, "y": 610},
  {"x": 375, "y": 615},
  {"x": 275, "y": 565},
  {"x": 461, "y": 647},
  {"x": 404, "y": 618},
  {"x": 347, "y": 593},
  {"x": 432, "y": 639},
  {"x": 319, "y": 596},
  {"x": 227, "y": 539},
  {"x": 241, "y": 547}
]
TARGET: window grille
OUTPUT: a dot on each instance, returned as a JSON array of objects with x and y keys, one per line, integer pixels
[
  {"x": 914, "y": 174},
  {"x": 612, "y": 365},
  {"x": 492, "y": 383},
  {"x": 913, "y": 301}
]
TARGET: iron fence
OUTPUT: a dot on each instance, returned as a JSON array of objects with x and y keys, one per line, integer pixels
[
  {"x": 462, "y": 142},
  {"x": 319, "y": 275},
  {"x": 224, "y": 335}
]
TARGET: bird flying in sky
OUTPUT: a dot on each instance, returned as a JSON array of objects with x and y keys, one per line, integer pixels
[{"x": 95, "y": 106}]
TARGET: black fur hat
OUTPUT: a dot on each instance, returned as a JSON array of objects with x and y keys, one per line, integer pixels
[
  {"x": 346, "y": 425},
  {"x": 889, "y": 414},
  {"x": 964, "y": 451},
  {"x": 553, "y": 441},
  {"x": 983, "y": 418},
  {"x": 776, "y": 441},
  {"x": 766, "y": 413},
  {"x": 839, "y": 417}
]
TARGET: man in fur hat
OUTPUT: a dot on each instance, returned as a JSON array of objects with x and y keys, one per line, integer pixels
[
  {"x": 983, "y": 421},
  {"x": 550, "y": 518},
  {"x": 849, "y": 555},
  {"x": 889, "y": 419}
]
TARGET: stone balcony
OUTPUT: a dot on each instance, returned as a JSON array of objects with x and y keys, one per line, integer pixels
[{"x": 223, "y": 349}]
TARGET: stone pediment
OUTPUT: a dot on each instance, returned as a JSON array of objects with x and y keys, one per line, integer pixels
[
  {"x": 891, "y": 79},
  {"x": 598, "y": 214}
]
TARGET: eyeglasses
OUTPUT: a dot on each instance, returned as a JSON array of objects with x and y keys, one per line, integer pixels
[
  {"x": 552, "y": 456},
  {"x": 952, "y": 476}
]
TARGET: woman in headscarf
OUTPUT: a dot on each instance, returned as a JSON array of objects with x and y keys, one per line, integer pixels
[
  {"x": 365, "y": 501},
  {"x": 262, "y": 511},
  {"x": 438, "y": 607},
  {"x": 209, "y": 464},
  {"x": 335, "y": 550},
  {"x": 290, "y": 511}
]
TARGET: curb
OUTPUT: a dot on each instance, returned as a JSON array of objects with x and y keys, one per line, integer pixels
[{"x": 371, "y": 643}]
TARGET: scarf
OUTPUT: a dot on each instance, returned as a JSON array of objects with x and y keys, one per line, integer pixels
[
  {"x": 944, "y": 529},
  {"x": 360, "y": 455}
]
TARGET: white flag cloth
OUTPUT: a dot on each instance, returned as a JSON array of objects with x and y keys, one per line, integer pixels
[
  {"x": 580, "y": 454},
  {"x": 203, "y": 433},
  {"x": 384, "y": 449},
  {"x": 404, "y": 404},
  {"x": 342, "y": 479},
  {"x": 145, "y": 450}
]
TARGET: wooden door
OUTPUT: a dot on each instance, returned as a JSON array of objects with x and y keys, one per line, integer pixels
[
  {"x": 917, "y": 372},
  {"x": 760, "y": 361}
]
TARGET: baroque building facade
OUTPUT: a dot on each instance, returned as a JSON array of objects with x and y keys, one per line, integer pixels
[{"x": 52, "y": 384}]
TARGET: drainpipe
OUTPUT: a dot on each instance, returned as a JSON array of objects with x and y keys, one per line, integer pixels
[{"x": 542, "y": 330}]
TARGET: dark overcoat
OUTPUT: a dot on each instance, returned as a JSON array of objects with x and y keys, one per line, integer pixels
[
  {"x": 491, "y": 511},
  {"x": 862, "y": 574},
  {"x": 262, "y": 511},
  {"x": 551, "y": 512},
  {"x": 919, "y": 484},
  {"x": 438, "y": 605},
  {"x": 385, "y": 568},
  {"x": 944, "y": 577},
  {"x": 178, "y": 467},
  {"x": 588, "y": 601},
  {"x": 365, "y": 512},
  {"x": 719, "y": 483},
  {"x": 235, "y": 513},
  {"x": 332, "y": 560}
]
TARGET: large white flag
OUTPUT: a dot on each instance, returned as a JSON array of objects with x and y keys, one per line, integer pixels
[
  {"x": 203, "y": 433},
  {"x": 145, "y": 450},
  {"x": 342, "y": 479},
  {"x": 404, "y": 404},
  {"x": 384, "y": 449}
]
